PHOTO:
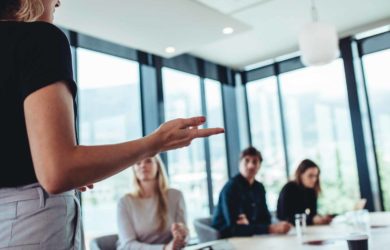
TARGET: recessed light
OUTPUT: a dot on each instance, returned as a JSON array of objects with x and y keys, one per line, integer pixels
[
  {"x": 170, "y": 50},
  {"x": 227, "y": 30}
]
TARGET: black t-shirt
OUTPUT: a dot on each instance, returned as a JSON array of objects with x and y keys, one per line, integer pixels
[
  {"x": 295, "y": 199},
  {"x": 32, "y": 56}
]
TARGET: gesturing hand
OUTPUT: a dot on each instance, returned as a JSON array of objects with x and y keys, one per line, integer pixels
[{"x": 180, "y": 133}]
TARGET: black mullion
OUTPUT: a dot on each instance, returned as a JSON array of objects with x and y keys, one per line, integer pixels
[
  {"x": 248, "y": 119},
  {"x": 282, "y": 119},
  {"x": 206, "y": 141},
  {"x": 370, "y": 123}
]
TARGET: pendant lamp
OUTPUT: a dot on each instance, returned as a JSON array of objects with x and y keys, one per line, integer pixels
[{"x": 318, "y": 41}]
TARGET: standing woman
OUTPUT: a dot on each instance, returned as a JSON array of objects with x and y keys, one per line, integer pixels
[
  {"x": 153, "y": 216},
  {"x": 42, "y": 163},
  {"x": 300, "y": 196}
]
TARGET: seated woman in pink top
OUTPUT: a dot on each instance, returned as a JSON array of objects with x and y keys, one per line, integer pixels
[{"x": 152, "y": 217}]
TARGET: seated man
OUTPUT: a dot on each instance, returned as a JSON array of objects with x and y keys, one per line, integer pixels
[{"x": 242, "y": 209}]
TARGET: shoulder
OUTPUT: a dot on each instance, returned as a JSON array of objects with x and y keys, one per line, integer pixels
[
  {"x": 233, "y": 185},
  {"x": 126, "y": 200},
  {"x": 44, "y": 34},
  {"x": 43, "y": 28},
  {"x": 260, "y": 186},
  {"x": 290, "y": 187},
  {"x": 174, "y": 194}
]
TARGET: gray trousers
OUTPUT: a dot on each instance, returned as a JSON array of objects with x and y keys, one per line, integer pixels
[{"x": 30, "y": 219}]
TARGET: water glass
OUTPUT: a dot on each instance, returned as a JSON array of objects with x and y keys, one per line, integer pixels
[
  {"x": 300, "y": 225},
  {"x": 360, "y": 221}
]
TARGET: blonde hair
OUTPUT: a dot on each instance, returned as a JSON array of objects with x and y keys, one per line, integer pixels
[
  {"x": 162, "y": 188},
  {"x": 21, "y": 10}
]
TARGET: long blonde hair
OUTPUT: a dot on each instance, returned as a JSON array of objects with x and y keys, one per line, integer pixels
[
  {"x": 162, "y": 188},
  {"x": 21, "y": 10}
]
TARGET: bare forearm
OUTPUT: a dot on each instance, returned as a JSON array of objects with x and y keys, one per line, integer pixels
[
  {"x": 82, "y": 165},
  {"x": 61, "y": 165},
  {"x": 90, "y": 164}
]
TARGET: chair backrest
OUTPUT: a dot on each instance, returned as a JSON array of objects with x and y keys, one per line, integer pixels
[
  {"x": 204, "y": 230},
  {"x": 107, "y": 242}
]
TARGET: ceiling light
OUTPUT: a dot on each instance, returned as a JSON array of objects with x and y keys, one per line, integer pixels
[
  {"x": 170, "y": 50},
  {"x": 227, "y": 30},
  {"x": 318, "y": 41}
]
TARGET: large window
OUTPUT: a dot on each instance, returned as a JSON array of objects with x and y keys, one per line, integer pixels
[
  {"x": 266, "y": 134},
  {"x": 109, "y": 112},
  {"x": 318, "y": 127},
  {"x": 186, "y": 167},
  {"x": 219, "y": 174},
  {"x": 376, "y": 67}
]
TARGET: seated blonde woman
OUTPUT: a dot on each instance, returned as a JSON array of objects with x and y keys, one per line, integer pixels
[{"x": 153, "y": 216}]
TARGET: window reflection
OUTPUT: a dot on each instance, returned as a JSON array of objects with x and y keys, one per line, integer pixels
[
  {"x": 109, "y": 112},
  {"x": 266, "y": 135},
  {"x": 378, "y": 88},
  {"x": 186, "y": 166},
  {"x": 219, "y": 174},
  {"x": 318, "y": 127}
]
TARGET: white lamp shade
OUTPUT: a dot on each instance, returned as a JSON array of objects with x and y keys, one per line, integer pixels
[{"x": 318, "y": 44}]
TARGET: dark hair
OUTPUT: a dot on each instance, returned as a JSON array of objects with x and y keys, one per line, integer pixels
[
  {"x": 251, "y": 151},
  {"x": 302, "y": 168}
]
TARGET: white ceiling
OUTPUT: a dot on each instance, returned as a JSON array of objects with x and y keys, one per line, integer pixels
[
  {"x": 149, "y": 25},
  {"x": 264, "y": 29}
]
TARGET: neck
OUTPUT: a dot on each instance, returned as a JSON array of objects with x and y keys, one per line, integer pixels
[
  {"x": 251, "y": 181},
  {"x": 148, "y": 188}
]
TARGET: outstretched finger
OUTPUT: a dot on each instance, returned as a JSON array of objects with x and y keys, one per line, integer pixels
[
  {"x": 206, "y": 132},
  {"x": 193, "y": 121}
]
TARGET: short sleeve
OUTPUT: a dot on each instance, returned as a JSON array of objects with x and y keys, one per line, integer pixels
[{"x": 45, "y": 59}]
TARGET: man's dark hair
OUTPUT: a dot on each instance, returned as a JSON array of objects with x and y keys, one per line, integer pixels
[{"x": 251, "y": 151}]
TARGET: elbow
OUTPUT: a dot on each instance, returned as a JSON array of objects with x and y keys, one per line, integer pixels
[
  {"x": 53, "y": 179},
  {"x": 53, "y": 188}
]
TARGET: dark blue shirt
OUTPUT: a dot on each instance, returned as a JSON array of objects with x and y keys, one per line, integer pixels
[{"x": 239, "y": 197}]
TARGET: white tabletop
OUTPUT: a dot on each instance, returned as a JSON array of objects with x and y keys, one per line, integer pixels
[{"x": 379, "y": 238}]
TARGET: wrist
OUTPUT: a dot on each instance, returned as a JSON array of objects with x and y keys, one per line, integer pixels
[
  {"x": 270, "y": 229},
  {"x": 151, "y": 143}
]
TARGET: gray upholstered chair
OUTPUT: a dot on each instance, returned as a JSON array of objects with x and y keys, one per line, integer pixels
[
  {"x": 107, "y": 242},
  {"x": 204, "y": 230}
]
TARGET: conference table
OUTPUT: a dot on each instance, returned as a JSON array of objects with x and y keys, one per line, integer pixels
[{"x": 334, "y": 237}]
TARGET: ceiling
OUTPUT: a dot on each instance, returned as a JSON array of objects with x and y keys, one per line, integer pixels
[{"x": 264, "y": 29}]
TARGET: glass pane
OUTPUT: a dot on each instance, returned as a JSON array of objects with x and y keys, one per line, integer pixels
[
  {"x": 186, "y": 167},
  {"x": 109, "y": 112},
  {"x": 319, "y": 128},
  {"x": 219, "y": 171},
  {"x": 266, "y": 135},
  {"x": 378, "y": 88}
]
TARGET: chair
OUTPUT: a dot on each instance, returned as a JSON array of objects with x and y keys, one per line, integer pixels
[
  {"x": 204, "y": 230},
  {"x": 107, "y": 242}
]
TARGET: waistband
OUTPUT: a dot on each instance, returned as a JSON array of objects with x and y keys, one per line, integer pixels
[{"x": 28, "y": 192}]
